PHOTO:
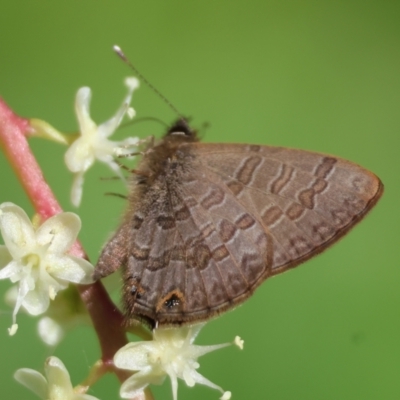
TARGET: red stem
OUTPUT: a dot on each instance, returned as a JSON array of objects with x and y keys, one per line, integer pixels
[{"x": 107, "y": 319}]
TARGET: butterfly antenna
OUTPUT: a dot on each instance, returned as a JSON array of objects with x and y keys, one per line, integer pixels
[{"x": 123, "y": 57}]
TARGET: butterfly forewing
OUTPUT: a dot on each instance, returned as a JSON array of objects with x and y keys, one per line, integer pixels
[
  {"x": 305, "y": 201},
  {"x": 216, "y": 220}
]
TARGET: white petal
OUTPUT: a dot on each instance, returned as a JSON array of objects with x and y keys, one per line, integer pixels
[
  {"x": 37, "y": 301},
  {"x": 198, "y": 378},
  {"x": 134, "y": 356},
  {"x": 5, "y": 256},
  {"x": 50, "y": 331},
  {"x": 107, "y": 128},
  {"x": 226, "y": 396},
  {"x": 69, "y": 268},
  {"x": 80, "y": 155},
  {"x": 16, "y": 229},
  {"x": 77, "y": 188},
  {"x": 134, "y": 385},
  {"x": 82, "y": 104},
  {"x": 187, "y": 377},
  {"x": 59, "y": 382},
  {"x": 198, "y": 351},
  {"x": 59, "y": 232},
  {"x": 33, "y": 380},
  {"x": 13, "y": 268}
]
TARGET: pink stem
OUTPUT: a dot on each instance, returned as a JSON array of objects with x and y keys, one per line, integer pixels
[{"x": 107, "y": 319}]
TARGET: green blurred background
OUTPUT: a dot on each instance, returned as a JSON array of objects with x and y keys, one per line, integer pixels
[{"x": 317, "y": 75}]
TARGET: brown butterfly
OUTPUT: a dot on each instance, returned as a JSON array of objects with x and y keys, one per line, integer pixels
[{"x": 206, "y": 224}]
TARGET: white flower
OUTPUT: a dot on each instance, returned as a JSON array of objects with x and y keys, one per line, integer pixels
[
  {"x": 93, "y": 143},
  {"x": 57, "y": 384},
  {"x": 171, "y": 352},
  {"x": 36, "y": 258}
]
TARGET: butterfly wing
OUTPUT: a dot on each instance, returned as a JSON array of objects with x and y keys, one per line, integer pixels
[
  {"x": 304, "y": 200},
  {"x": 222, "y": 218}
]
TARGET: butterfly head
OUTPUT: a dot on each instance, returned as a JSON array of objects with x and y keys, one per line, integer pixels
[{"x": 181, "y": 128}]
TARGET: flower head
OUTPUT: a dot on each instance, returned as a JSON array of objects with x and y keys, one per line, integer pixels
[
  {"x": 171, "y": 352},
  {"x": 37, "y": 259},
  {"x": 93, "y": 143},
  {"x": 55, "y": 386}
]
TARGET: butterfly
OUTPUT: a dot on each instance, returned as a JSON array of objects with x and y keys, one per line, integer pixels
[{"x": 207, "y": 223}]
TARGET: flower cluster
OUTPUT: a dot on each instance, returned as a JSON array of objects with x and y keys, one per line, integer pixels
[
  {"x": 37, "y": 258},
  {"x": 55, "y": 386},
  {"x": 93, "y": 143},
  {"x": 172, "y": 353}
]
